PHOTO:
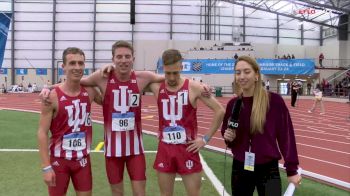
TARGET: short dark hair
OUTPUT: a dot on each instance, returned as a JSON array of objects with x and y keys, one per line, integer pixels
[
  {"x": 171, "y": 56},
  {"x": 122, "y": 44},
  {"x": 71, "y": 50}
]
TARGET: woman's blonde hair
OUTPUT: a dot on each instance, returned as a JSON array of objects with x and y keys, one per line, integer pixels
[{"x": 260, "y": 97}]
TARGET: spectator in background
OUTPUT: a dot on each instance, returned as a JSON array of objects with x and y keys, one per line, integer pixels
[
  {"x": 320, "y": 59},
  {"x": 284, "y": 57},
  {"x": 288, "y": 88},
  {"x": 295, "y": 89},
  {"x": 34, "y": 87},
  {"x": 236, "y": 56},
  {"x": 293, "y": 57},
  {"x": 267, "y": 84},
  {"x": 288, "y": 56},
  {"x": 30, "y": 88},
  {"x": 318, "y": 100},
  {"x": 308, "y": 88},
  {"x": 3, "y": 88}
]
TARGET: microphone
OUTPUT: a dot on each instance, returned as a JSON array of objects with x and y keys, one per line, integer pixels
[
  {"x": 234, "y": 119},
  {"x": 291, "y": 187}
]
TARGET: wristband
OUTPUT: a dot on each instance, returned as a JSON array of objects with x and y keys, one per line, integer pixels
[
  {"x": 206, "y": 139},
  {"x": 46, "y": 169}
]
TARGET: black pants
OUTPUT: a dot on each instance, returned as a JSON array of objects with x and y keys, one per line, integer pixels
[
  {"x": 266, "y": 178},
  {"x": 294, "y": 97}
]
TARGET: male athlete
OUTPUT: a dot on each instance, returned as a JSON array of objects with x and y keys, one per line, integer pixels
[
  {"x": 66, "y": 155},
  {"x": 179, "y": 144}
]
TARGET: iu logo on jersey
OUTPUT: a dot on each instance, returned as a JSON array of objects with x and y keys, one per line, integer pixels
[
  {"x": 74, "y": 111},
  {"x": 122, "y": 102},
  {"x": 181, "y": 99}
]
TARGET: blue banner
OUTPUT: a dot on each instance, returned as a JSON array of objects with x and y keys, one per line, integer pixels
[
  {"x": 3, "y": 71},
  {"x": 60, "y": 72},
  {"x": 287, "y": 66},
  {"x": 41, "y": 71},
  {"x": 5, "y": 20},
  {"x": 225, "y": 66},
  {"x": 21, "y": 71}
]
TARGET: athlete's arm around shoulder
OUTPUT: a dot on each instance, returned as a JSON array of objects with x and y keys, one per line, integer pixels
[
  {"x": 154, "y": 87},
  {"x": 147, "y": 77},
  {"x": 94, "y": 95},
  {"x": 95, "y": 79}
]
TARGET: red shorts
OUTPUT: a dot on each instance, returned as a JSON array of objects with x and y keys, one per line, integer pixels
[
  {"x": 135, "y": 164},
  {"x": 173, "y": 158},
  {"x": 78, "y": 170}
]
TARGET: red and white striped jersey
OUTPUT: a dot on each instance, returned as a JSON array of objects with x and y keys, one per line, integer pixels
[
  {"x": 122, "y": 117},
  {"x": 175, "y": 109},
  {"x": 71, "y": 129}
]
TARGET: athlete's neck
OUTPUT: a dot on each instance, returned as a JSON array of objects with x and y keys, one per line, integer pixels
[
  {"x": 176, "y": 87},
  {"x": 123, "y": 77},
  {"x": 71, "y": 88}
]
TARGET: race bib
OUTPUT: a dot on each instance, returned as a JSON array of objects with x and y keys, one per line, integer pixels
[
  {"x": 174, "y": 135},
  {"x": 123, "y": 122},
  {"x": 74, "y": 141}
]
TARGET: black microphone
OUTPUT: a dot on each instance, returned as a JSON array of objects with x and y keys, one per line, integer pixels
[{"x": 234, "y": 119}]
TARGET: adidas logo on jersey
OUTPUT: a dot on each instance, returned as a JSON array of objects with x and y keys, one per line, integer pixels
[
  {"x": 133, "y": 81},
  {"x": 85, "y": 94},
  {"x": 162, "y": 91},
  {"x": 161, "y": 165},
  {"x": 63, "y": 98},
  {"x": 55, "y": 164},
  {"x": 112, "y": 81}
]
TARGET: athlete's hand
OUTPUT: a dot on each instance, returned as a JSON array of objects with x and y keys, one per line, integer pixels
[
  {"x": 207, "y": 90},
  {"x": 296, "y": 180},
  {"x": 106, "y": 69},
  {"x": 229, "y": 135},
  {"x": 44, "y": 96},
  {"x": 195, "y": 145},
  {"x": 50, "y": 178}
]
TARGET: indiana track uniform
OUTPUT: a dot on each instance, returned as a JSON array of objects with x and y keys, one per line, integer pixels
[
  {"x": 70, "y": 142},
  {"x": 123, "y": 133},
  {"x": 177, "y": 126}
]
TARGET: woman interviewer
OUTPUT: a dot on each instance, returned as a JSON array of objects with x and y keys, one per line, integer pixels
[{"x": 265, "y": 131}]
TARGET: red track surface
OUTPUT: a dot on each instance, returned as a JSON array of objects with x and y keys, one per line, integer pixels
[{"x": 323, "y": 141}]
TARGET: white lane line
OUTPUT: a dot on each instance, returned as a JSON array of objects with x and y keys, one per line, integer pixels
[
  {"x": 338, "y": 151},
  {"x": 320, "y": 132},
  {"x": 36, "y": 150},
  {"x": 328, "y": 162},
  {"x": 316, "y": 138},
  {"x": 214, "y": 180}
]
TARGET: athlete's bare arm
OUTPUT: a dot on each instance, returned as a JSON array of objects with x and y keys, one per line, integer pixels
[
  {"x": 94, "y": 95},
  {"x": 95, "y": 79},
  {"x": 47, "y": 114},
  {"x": 219, "y": 112},
  {"x": 154, "y": 88},
  {"x": 145, "y": 78}
]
